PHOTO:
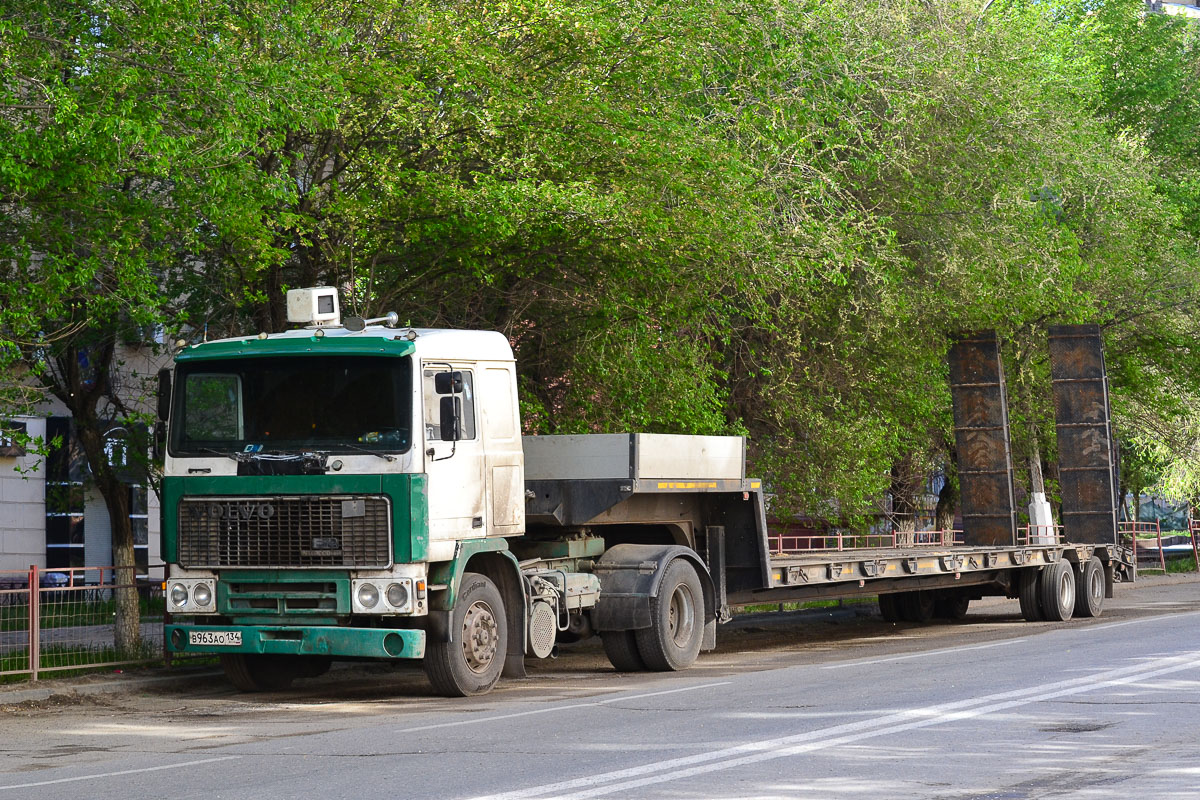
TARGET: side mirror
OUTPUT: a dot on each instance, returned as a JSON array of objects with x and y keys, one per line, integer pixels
[
  {"x": 451, "y": 417},
  {"x": 448, "y": 383},
  {"x": 164, "y": 394},
  {"x": 158, "y": 442}
]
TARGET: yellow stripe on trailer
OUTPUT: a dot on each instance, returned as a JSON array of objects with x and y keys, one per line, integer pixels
[{"x": 687, "y": 484}]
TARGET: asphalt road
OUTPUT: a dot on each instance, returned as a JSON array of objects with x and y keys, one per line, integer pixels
[{"x": 791, "y": 706}]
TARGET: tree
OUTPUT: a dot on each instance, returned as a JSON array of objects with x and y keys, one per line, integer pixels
[{"x": 112, "y": 143}]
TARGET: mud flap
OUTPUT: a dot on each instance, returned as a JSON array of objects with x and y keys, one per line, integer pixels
[{"x": 630, "y": 574}]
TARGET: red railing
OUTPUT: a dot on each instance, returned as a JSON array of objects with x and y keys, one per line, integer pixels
[
  {"x": 1194, "y": 533},
  {"x": 781, "y": 542},
  {"x": 1039, "y": 534},
  {"x": 66, "y": 622},
  {"x": 1143, "y": 530}
]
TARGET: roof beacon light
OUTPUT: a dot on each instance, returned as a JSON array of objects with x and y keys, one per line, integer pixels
[{"x": 314, "y": 308}]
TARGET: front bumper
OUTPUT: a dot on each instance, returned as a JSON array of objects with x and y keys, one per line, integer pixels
[{"x": 305, "y": 641}]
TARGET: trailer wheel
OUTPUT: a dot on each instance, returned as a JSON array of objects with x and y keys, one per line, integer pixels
[
  {"x": 672, "y": 642},
  {"x": 951, "y": 604},
  {"x": 471, "y": 664},
  {"x": 1027, "y": 591},
  {"x": 622, "y": 651},
  {"x": 1057, "y": 584},
  {"x": 1089, "y": 589},
  {"x": 917, "y": 606},
  {"x": 890, "y": 608},
  {"x": 254, "y": 672}
]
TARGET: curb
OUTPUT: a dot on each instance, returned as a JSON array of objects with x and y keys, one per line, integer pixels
[{"x": 13, "y": 694}]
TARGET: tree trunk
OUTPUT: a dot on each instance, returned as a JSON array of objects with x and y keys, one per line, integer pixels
[
  {"x": 947, "y": 504},
  {"x": 905, "y": 486},
  {"x": 127, "y": 624},
  {"x": 83, "y": 394}
]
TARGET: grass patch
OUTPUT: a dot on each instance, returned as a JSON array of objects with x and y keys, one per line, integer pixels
[
  {"x": 763, "y": 607},
  {"x": 1180, "y": 565},
  {"x": 66, "y": 611},
  {"x": 80, "y": 660}
]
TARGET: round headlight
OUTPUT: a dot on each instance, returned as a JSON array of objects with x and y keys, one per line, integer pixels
[
  {"x": 397, "y": 595},
  {"x": 202, "y": 594},
  {"x": 368, "y": 595},
  {"x": 179, "y": 594}
]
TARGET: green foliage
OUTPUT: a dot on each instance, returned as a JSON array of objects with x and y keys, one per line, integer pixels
[{"x": 753, "y": 217}]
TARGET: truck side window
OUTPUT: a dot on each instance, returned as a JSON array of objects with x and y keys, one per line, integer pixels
[{"x": 432, "y": 404}]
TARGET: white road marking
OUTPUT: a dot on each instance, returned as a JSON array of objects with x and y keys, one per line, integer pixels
[
  {"x": 769, "y": 749},
  {"x": 924, "y": 654},
  {"x": 556, "y": 709},
  {"x": 98, "y": 775}
]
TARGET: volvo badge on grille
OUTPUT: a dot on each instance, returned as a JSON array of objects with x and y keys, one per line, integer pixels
[{"x": 231, "y": 510}]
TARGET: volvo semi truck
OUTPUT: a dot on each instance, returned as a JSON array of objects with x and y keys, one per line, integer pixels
[{"x": 357, "y": 490}]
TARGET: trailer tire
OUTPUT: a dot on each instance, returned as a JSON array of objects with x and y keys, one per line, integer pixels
[
  {"x": 1089, "y": 589},
  {"x": 1027, "y": 591},
  {"x": 470, "y": 664},
  {"x": 951, "y": 604},
  {"x": 622, "y": 651},
  {"x": 1057, "y": 583},
  {"x": 672, "y": 642},
  {"x": 256, "y": 672},
  {"x": 889, "y": 608},
  {"x": 917, "y": 606}
]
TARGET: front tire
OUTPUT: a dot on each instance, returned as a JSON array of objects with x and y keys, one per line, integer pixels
[
  {"x": 253, "y": 672},
  {"x": 472, "y": 663},
  {"x": 672, "y": 642}
]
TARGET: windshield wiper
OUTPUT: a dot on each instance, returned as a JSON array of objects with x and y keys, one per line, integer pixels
[
  {"x": 375, "y": 453},
  {"x": 234, "y": 456}
]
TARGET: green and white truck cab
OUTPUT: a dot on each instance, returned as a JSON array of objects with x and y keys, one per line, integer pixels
[{"x": 358, "y": 491}]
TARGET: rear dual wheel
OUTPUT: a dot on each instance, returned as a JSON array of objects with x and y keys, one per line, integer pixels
[
  {"x": 889, "y": 607},
  {"x": 951, "y": 604},
  {"x": 1050, "y": 593},
  {"x": 672, "y": 642},
  {"x": 1057, "y": 588},
  {"x": 1089, "y": 588}
]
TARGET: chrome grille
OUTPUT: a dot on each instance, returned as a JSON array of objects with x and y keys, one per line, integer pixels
[{"x": 273, "y": 531}]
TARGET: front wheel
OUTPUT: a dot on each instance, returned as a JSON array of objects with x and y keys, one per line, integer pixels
[
  {"x": 253, "y": 672},
  {"x": 471, "y": 664},
  {"x": 672, "y": 642}
]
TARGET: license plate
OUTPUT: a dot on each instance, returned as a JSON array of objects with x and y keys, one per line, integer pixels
[{"x": 215, "y": 638}]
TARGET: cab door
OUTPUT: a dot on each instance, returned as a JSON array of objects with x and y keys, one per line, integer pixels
[{"x": 454, "y": 467}]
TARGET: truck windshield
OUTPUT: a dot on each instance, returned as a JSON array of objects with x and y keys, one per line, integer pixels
[{"x": 293, "y": 403}]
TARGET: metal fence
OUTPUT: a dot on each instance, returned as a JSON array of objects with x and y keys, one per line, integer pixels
[
  {"x": 781, "y": 542},
  {"x": 58, "y": 620}
]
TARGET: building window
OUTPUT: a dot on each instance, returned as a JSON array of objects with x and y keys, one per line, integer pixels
[{"x": 10, "y": 433}]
